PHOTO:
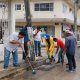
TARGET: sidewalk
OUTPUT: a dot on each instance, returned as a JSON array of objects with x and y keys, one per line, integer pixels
[{"x": 12, "y": 70}]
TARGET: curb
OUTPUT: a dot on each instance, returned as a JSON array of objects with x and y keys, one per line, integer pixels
[{"x": 6, "y": 74}]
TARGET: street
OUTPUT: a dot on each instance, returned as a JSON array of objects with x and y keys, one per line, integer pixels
[
  {"x": 57, "y": 73},
  {"x": 33, "y": 25}
]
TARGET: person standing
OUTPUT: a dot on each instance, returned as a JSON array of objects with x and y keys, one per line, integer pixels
[
  {"x": 11, "y": 45},
  {"x": 72, "y": 33},
  {"x": 60, "y": 47},
  {"x": 26, "y": 41},
  {"x": 49, "y": 46},
  {"x": 70, "y": 46},
  {"x": 37, "y": 41}
]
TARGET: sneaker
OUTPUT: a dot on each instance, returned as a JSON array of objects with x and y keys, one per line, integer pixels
[
  {"x": 36, "y": 55},
  {"x": 74, "y": 69},
  {"x": 16, "y": 65},
  {"x": 5, "y": 67},
  {"x": 69, "y": 70}
]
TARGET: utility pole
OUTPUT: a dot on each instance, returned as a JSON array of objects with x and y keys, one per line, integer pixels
[
  {"x": 27, "y": 12},
  {"x": 30, "y": 29},
  {"x": 75, "y": 17}
]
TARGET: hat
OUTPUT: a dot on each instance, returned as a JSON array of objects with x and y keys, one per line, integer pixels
[
  {"x": 47, "y": 36},
  {"x": 68, "y": 31}
]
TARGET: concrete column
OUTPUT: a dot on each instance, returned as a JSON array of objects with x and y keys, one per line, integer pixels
[
  {"x": 11, "y": 16},
  {"x": 58, "y": 31}
]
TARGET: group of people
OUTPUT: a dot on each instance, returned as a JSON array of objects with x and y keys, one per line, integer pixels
[
  {"x": 21, "y": 39},
  {"x": 50, "y": 48},
  {"x": 67, "y": 48}
]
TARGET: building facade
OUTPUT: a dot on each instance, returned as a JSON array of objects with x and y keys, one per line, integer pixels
[{"x": 54, "y": 16}]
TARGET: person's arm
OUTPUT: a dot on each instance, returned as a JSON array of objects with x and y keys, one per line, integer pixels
[
  {"x": 57, "y": 50},
  {"x": 14, "y": 42},
  {"x": 12, "y": 39},
  {"x": 36, "y": 33},
  {"x": 29, "y": 43},
  {"x": 66, "y": 44},
  {"x": 42, "y": 37},
  {"x": 22, "y": 46},
  {"x": 65, "y": 49}
]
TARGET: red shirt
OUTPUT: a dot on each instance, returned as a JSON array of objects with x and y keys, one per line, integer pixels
[{"x": 60, "y": 43}]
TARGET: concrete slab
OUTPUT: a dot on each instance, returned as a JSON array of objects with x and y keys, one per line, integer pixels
[
  {"x": 46, "y": 67},
  {"x": 12, "y": 71}
]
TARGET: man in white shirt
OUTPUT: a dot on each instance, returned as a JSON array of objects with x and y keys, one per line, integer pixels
[
  {"x": 37, "y": 41},
  {"x": 11, "y": 45}
]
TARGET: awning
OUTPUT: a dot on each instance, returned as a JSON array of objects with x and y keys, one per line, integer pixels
[{"x": 59, "y": 20}]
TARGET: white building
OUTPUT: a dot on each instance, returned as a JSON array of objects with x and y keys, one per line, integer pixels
[{"x": 53, "y": 15}]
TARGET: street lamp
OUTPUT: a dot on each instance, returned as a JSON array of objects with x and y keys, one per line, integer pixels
[{"x": 30, "y": 29}]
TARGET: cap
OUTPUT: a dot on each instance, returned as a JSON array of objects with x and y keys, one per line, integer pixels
[
  {"x": 47, "y": 36},
  {"x": 68, "y": 31}
]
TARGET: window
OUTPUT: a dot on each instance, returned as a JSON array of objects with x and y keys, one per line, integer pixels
[
  {"x": 43, "y": 7},
  {"x": 23, "y": 7},
  {"x": 64, "y": 8},
  {"x": 3, "y": 31},
  {"x": 18, "y": 28},
  {"x": 36, "y": 7},
  {"x": 2, "y": 5},
  {"x": 18, "y": 7}
]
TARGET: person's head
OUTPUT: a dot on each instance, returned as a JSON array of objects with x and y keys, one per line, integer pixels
[
  {"x": 68, "y": 33},
  {"x": 55, "y": 39},
  {"x": 47, "y": 36},
  {"x": 26, "y": 25},
  {"x": 21, "y": 35},
  {"x": 38, "y": 28}
]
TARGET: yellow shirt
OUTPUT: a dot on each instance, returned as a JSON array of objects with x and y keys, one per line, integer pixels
[{"x": 51, "y": 49}]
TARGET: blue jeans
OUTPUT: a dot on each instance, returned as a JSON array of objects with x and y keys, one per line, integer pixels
[
  {"x": 37, "y": 48},
  {"x": 61, "y": 55},
  {"x": 7, "y": 56}
]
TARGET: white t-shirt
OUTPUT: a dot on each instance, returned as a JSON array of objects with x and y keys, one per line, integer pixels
[
  {"x": 12, "y": 47},
  {"x": 38, "y": 36}
]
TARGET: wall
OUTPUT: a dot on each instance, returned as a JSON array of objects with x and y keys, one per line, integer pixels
[{"x": 58, "y": 30}]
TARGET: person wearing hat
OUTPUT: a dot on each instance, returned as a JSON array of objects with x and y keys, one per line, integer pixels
[
  {"x": 49, "y": 46},
  {"x": 70, "y": 46}
]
